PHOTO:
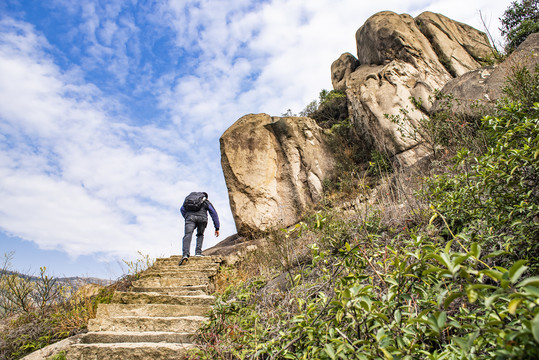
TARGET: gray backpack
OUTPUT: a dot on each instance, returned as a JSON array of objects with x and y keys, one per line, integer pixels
[{"x": 193, "y": 202}]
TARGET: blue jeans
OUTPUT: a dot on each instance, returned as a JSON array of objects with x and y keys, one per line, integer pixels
[{"x": 192, "y": 222}]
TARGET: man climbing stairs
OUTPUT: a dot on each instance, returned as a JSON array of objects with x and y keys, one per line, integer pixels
[{"x": 157, "y": 319}]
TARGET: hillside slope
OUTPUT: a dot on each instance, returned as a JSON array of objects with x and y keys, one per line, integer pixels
[{"x": 434, "y": 260}]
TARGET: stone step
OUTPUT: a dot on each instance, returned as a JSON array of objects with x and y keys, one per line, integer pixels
[
  {"x": 192, "y": 260},
  {"x": 121, "y": 297},
  {"x": 188, "y": 265},
  {"x": 181, "y": 324},
  {"x": 131, "y": 351},
  {"x": 178, "y": 272},
  {"x": 108, "y": 337},
  {"x": 157, "y": 319},
  {"x": 158, "y": 310},
  {"x": 184, "y": 290},
  {"x": 171, "y": 281}
]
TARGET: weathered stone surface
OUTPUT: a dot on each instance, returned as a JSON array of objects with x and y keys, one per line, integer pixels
[
  {"x": 274, "y": 168},
  {"x": 386, "y": 37},
  {"x": 132, "y": 351},
  {"x": 159, "y": 310},
  {"x": 234, "y": 248},
  {"x": 403, "y": 58},
  {"x": 341, "y": 69},
  {"x": 171, "y": 272},
  {"x": 459, "y": 47},
  {"x": 374, "y": 91},
  {"x": 484, "y": 86},
  {"x": 184, "y": 290},
  {"x": 148, "y": 325},
  {"x": 194, "y": 262},
  {"x": 49, "y": 351},
  {"x": 168, "y": 282},
  {"x": 129, "y": 297},
  {"x": 110, "y": 337}
]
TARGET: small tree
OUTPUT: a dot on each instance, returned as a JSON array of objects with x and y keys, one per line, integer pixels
[{"x": 518, "y": 21}]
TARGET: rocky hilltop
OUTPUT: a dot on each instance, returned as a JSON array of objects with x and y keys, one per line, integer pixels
[
  {"x": 274, "y": 167},
  {"x": 399, "y": 57}
]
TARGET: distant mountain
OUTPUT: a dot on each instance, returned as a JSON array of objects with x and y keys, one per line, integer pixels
[{"x": 74, "y": 281}]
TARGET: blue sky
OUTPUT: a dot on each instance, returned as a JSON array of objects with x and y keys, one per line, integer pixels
[{"x": 111, "y": 111}]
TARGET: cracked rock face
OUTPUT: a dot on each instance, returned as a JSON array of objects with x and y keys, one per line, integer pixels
[
  {"x": 341, "y": 69},
  {"x": 484, "y": 86},
  {"x": 401, "y": 57},
  {"x": 274, "y": 168}
]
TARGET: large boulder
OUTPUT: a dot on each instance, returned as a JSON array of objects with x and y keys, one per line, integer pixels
[
  {"x": 459, "y": 47},
  {"x": 403, "y": 59},
  {"x": 341, "y": 69},
  {"x": 387, "y": 37},
  {"x": 484, "y": 86},
  {"x": 274, "y": 168}
]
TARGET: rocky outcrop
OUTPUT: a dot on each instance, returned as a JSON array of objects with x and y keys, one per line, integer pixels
[
  {"x": 402, "y": 57},
  {"x": 459, "y": 47},
  {"x": 387, "y": 37},
  {"x": 274, "y": 168},
  {"x": 234, "y": 248},
  {"x": 341, "y": 69},
  {"x": 484, "y": 86}
]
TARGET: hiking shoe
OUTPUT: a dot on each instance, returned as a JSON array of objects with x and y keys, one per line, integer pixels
[
  {"x": 184, "y": 260},
  {"x": 199, "y": 255}
]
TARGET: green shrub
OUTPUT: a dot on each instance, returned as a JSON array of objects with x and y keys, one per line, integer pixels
[
  {"x": 331, "y": 108},
  {"x": 379, "y": 164},
  {"x": 519, "y": 20},
  {"x": 60, "y": 356},
  {"x": 407, "y": 299},
  {"x": 495, "y": 197}
]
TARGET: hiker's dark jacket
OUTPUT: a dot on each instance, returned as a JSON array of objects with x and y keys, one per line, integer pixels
[{"x": 206, "y": 207}]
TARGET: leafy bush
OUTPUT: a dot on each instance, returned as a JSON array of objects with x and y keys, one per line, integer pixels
[
  {"x": 331, "y": 108},
  {"x": 410, "y": 297},
  {"x": 494, "y": 197},
  {"x": 519, "y": 20}
]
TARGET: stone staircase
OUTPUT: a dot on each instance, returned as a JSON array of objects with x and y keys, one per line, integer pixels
[{"x": 157, "y": 319}]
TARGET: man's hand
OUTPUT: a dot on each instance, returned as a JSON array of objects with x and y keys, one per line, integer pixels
[{"x": 216, "y": 233}]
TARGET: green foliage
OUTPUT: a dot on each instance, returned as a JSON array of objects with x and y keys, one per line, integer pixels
[
  {"x": 494, "y": 198},
  {"x": 408, "y": 298},
  {"x": 519, "y": 20},
  {"x": 523, "y": 86},
  {"x": 330, "y": 109},
  {"x": 225, "y": 336},
  {"x": 60, "y": 356},
  {"x": 379, "y": 164}
]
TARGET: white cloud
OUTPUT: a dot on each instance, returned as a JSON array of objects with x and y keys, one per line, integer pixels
[
  {"x": 288, "y": 44},
  {"x": 72, "y": 177}
]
